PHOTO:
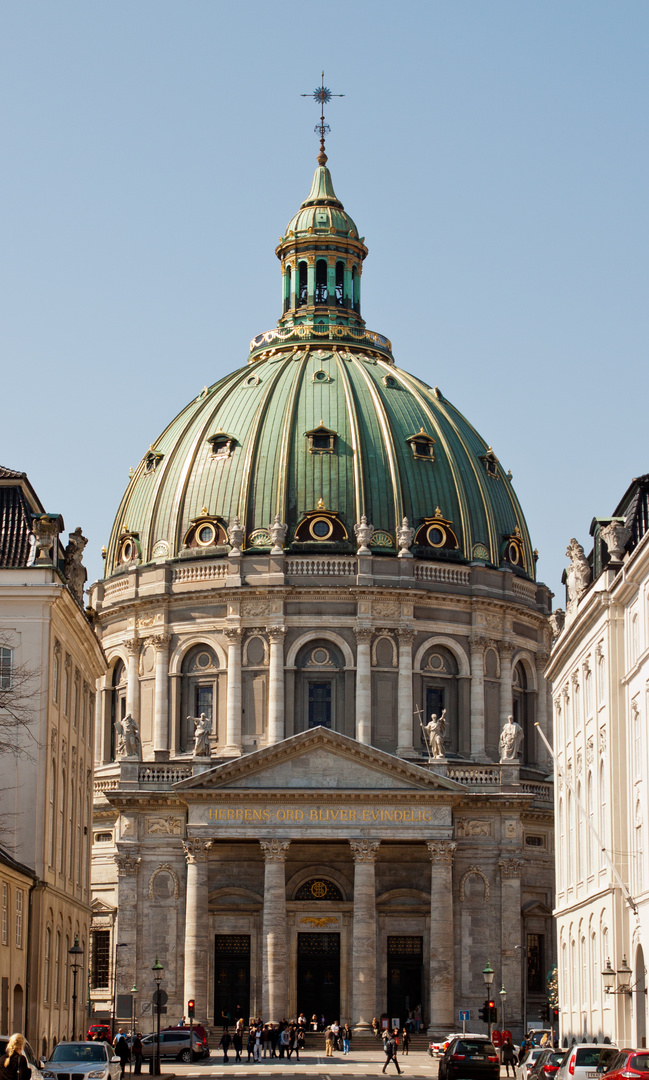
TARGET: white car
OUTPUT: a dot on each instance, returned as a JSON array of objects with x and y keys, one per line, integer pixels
[
  {"x": 29, "y": 1054},
  {"x": 437, "y": 1046},
  {"x": 585, "y": 1061},
  {"x": 85, "y": 1060},
  {"x": 528, "y": 1062}
]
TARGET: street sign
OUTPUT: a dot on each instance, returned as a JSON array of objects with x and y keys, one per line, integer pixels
[
  {"x": 159, "y": 997},
  {"x": 145, "y": 1008},
  {"x": 464, "y": 1016}
]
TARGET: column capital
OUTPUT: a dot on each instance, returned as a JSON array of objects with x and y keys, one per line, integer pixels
[
  {"x": 364, "y": 850},
  {"x": 127, "y": 863},
  {"x": 363, "y": 633},
  {"x": 276, "y": 634},
  {"x": 441, "y": 851},
  {"x": 511, "y": 865},
  {"x": 196, "y": 851},
  {"x": 406, "y": 635},
  {"x": 506, "y": 648},
  {"x": 233, "y": 634},
  {"x": 275, "y": 850},
  {"x": 478, "y": 642},
  {"x": 160, "y": 641},
  {"x": 132, "y": 646}
]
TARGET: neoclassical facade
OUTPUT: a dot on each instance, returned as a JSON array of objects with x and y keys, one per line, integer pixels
[
  {"x": 318, "y": 553},
  {"x": 599, "y": 669}
]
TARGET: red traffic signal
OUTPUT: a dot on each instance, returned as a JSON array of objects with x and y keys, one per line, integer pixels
[{"x": 190, "y": 1007}]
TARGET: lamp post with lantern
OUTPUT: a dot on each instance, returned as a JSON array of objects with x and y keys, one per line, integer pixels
[
  {"x": 158, "y": 972},
  {"x": 76, "y": 952},
  {"x": 503, "y": 998},
  {"x": 488, "y": 976}
]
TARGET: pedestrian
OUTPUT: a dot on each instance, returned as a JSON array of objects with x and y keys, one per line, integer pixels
[
  {"x": 509, "y": 1056},
  {"x": 250, "y": 1046},
  {"x": 295, "y": 1043},
  {"x": 136, "y": 1050},
  {"x": 266, "y": 1041},
  {"x": 274, "y": 1039},
  {"x": 257, "y": 1049},
  {"x": 335, "y": 1031},
  {"x": 347, "y": 1038},
  {"x": 14, "y": 1064},
  {"x": 329, "y": 1042},
  {"x": 405, "y": 1040},
  {"x": 417, "y": 1015},
  {"x": 314, "y": 1022},
  {"x": 323, "y": 1023},
  {"x": 120, "y": 1046},
  {"x": 376, "y": 1027},
  {"x": 284, "y": 1042},
  {"x": 237, "y": 1042},
  {"x": 391, "y": 1046},
  {"x": 226, "y": 1040}
]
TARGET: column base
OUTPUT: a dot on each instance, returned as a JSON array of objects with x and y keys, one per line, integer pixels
[
  {"x": 231, "y": 752},
  {"x": 361, "y": 1027},
  {"x": 406, "y": 751}
]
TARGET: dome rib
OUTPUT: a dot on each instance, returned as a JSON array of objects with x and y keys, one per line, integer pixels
[
  {"x": 253, "y": 442},
  {"x": 285, "y": 444},
  {"x": 359, "y": 487},
  {"x": 397, "y": 501}
]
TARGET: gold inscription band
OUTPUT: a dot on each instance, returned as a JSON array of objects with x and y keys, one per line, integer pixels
[{"x": 322, "y": 815}]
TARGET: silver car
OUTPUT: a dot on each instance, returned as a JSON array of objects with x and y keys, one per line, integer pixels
[{"x": 82, "y": 1061}]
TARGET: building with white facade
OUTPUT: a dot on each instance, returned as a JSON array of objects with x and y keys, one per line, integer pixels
[{"x": 599, "y": 669}]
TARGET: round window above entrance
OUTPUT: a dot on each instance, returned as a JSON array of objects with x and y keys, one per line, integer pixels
[{"x": 318, "y": 889}]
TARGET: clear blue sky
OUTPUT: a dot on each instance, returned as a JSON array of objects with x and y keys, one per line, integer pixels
[{"x": 493, "y": 153}]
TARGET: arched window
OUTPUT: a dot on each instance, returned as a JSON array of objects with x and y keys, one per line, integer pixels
[
  {"x": 522, "y": 708},
  {"x": 72, "y": 804},
  {"x": 57, "y": 966},
  {"x": 340, "y": 283},
  {"x": 601, "y": 679},
  {"x": 66, "y": 969},
  {"x": 46, "y": 965},
  {"x": 52, "y": 818},
  {"x": 635, "y": 638},
  {"x": 440, "y": 691},
  {"x": 603, "y": 831},
  {"x": 579, "y": 850},
  {"x": 118, "y": 701},
  {"x": 638, "y": 853},
  {"x": 62, "y": 784},
  {"x": 321, "y": 289},
  {"x": 288, "y": 277},
  {"x": 570, "y": 846},
  {"x": 320, "y": 687},
  {"x": 591, "y": 847},
  {"x": 355, "y": 296},
  {"x": 562, "y": 845},
  {"x": 302, "y": 293},
  {"x": 200, "y": 669},
  {"x": 79, "y": 820}
]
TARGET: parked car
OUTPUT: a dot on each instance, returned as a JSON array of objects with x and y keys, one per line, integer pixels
[
  {"x": 174, "y": 1043},
  {"x": 85, "y": 1060},
  {"x": 469, "y": 1057},
  {"x": 629, "y": 1064},
  {"x": 586, "y": 1062},
  {"x": 29, "y": 1054},
  {"x": 436, "y": 1047},
  {"x": 527, "y": 1063},
  {"x": 547, "y": 1064},
  {"x": 198, "y": 1030},
  {"x": 103, "y": 1030}
]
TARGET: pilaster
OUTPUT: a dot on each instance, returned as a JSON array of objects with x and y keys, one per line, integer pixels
[
  {"x": 274, "y": 932},
  {"x": 364, "y": 933},
  {"x": 276, "y": 636},
  {"x": 196, "y": 902},
  {"x": 442, "y": 938},
  {"x": 405, "y": 746},
  {"x": 233, "y": 708},
  {"x": 363, "y": 685}
]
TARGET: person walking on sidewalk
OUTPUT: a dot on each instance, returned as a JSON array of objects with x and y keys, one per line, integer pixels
[
  {"x": 237, "y": 1042},
  {"x": 390, "y": 1047},
  {"x": 224, "y": 1044},
  {"x": 329, "y": 1042},
  {"x": 405, "y": 1040},
  {"x": 347, "y": 1038},
  {"x": 509, "y": 1056}
]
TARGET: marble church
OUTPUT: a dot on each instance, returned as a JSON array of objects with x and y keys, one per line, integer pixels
[{"x": 319, "y": 613}]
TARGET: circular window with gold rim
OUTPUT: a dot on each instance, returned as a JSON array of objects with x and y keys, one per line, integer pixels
[
  {"x": 514, "y": 554},
  {"x": 436, "y": 536},
  {"x": 128, "y": 552},
  {"x": 206, "y": 535},
  {"x": 321, "y": 528},
  {"x": 319, "y": 889}
]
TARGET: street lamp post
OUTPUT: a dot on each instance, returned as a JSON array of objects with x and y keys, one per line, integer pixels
[
  {"x": 118, "y": 945},
  {"x": 503, "y": 998},
  {"x": 158, "y": 972},
  {"x": 133, "y": 993},
  {"x": 488, "y": 976},
  {"x": 75, "y": 952}
]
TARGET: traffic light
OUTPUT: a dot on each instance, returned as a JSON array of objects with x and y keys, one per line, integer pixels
[
  {"x": 554, "y": 1015},
  {"x": 544, "y": 1012},
  {"x": 493, "y": 1013},
  {"x": 190, "y": 1008},
  {"x": 484, "y": 1012}
]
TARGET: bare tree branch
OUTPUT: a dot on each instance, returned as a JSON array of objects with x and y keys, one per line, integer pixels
[{"x": 19, "y": 692}]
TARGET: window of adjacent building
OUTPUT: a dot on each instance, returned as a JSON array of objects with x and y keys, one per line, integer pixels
[
  {"x": 67, "y": 685},
  {"x": 56, "y": 672},
  {"x": 535, "y": 963},
  {"x": 100, "y": 969},
  {"x": 61, "y": 837},
  {"x": 66, "y": 969},
  {"x": 635, "y": 637},
  {"x": 639, "y": 869},
  {"x": 601, "y": 680},
  {"x": 637, "y": 740},
  {"x": 46, "y": 965},
  {"x": 57, "y": 966},
  {"x": 588, "y": 692},
  {"x": 72, "y": 806},
  {"x": 6, "y": 667},
  {"x": 52, "y": 815},
  {"x": 19, "y": 918},
  {"x": 5, "y": 913},
  {"x": 77, "y": 699}
]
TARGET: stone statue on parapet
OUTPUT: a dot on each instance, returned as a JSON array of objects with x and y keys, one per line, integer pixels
[
  {"x": 73, "y": 567},
  {"x": 278, "y": 531},
  {"x": 436, "y": 731},
  {"x": 405, "y": 537},
  {"x": 128, "y": 738},
  {"x": 578, "y": 574},
  {"x": 202, "y": 732},
  {"x": 511, "y": 739}
]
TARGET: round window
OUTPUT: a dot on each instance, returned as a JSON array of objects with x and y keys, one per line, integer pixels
[
  {"x": 319, "y": 889},
  {"x": 390, "y": 381},
  {"x": 320, "y": 656},
  {"x": 514, "y": 554},
  {"x": 321, "y": 376},
  {"x": 206, "y": 535},
  {"x": 128, "y": 551},
  {"x": 436, "y": 536},
  {"x": 203, "y": 660},
  {"x": 321, "y": 528}
]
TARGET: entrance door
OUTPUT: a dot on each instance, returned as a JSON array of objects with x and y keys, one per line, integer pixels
[
  {"x": 318, "y": 975},
  {"x": 319, "y": 704},
  {"x": 405, "y": 976},
  {"x": 231, "y": 976}
]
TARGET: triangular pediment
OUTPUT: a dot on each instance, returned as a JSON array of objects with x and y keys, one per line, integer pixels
[
  {"x": 318, "y": 759},
  {"x": 98, "y": 907}
]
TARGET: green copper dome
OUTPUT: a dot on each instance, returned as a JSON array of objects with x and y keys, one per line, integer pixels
[{"x": 320, "y": 428}]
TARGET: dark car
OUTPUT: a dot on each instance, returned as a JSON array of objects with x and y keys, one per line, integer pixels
[
  {"x": 546, "y": 1065},
  {"x": 628, "y": 1064},
  {"x": 473, "y": 1058}
]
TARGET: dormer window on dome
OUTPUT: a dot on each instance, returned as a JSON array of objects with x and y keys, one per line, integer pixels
[
  {"x": 514, "y": 551},
  {"x": 205, "y": 531},
  {"x": 422, "y": 446},
  {"x": 222, "y": 445},
  {"x": 322, "y": 440},
  {"x": 152, "y": 460},
  {"x": 320, "y": 525},
  {"x": 437, "y": 533},
  {"x": 490, "y": 462},
  {"x": 128, "y": 547}
]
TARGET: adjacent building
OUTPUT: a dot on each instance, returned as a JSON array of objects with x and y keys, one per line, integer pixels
[
  {"x": 50, "y": 660},
  {"x": 599, "y": 669},
  {"x": 317, "y": 554}
]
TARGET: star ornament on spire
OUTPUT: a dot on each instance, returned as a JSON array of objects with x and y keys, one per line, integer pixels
[{"x": 323, "y": 95}]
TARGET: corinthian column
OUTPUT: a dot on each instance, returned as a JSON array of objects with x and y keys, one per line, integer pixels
[
  {"x": 538, "y": 752},
  {"x": 161, "y": 699},
  {"x": 363, "y": 685},
  {"x": 274, "y": 963},
  {"x": 511, "y": 865},
  {"x": 442, "y": 960},
  {"x": 364, "y": 934},
  {"x": 132, "y": 686},
  {"x": 233, "y": 711},
  {"x": 127, "y": 866},
  {"x": 276, "y": 684},
  {"x": 477, "y": 645},
  {"x": 404, "y": 694},
  {"x": 505, "y": 648},
  {"x": 196, "y": 854}
]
